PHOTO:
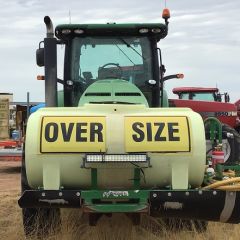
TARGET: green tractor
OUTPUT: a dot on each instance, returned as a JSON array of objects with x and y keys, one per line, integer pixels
[{"x": 109, "y": 143}]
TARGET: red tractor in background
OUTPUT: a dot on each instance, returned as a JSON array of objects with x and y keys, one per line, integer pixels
[
  {"x": 209, "y": 102},
  {"x": 237, "y": 104}
]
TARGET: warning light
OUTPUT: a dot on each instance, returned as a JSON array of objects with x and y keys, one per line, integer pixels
[
  {"x": 180, "y": 75},
  {"x": 166, "y": 13},
  {"x": 40, "y": 77}
]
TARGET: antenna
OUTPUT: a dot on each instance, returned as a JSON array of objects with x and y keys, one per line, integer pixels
[
  {"x": 165, "y": 3},
  {"x": 69, "y": 13}
]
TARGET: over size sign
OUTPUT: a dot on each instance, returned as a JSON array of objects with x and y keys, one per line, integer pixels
[
  {"x": 157, "y": 134},
  {"x": 73, "y": 134},
  {"x": 88, "y": 134}
]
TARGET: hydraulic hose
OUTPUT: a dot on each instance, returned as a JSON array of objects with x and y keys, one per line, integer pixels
[
  {"x": 222, "y": 185},
  {"x": 235, "y": 187}
]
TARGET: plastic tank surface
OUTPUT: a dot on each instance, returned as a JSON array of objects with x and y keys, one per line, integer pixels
[{"x": 58, "y": 139}]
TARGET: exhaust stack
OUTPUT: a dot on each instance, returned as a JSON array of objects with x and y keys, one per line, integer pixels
[
  {"x": 50, "y": 60},
  {"x": 49, "y": 26}
]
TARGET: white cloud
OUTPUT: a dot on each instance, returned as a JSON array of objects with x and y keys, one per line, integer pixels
[{"x": 203, "y": 41}]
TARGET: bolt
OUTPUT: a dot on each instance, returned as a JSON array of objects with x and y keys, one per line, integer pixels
[
  {"x": 169, "y": 194},
  {"x": 154, "y": 195},
  {"x": 214, "y": 193},
  {"x": 43, "y": 194},
  {"x": 200, "y": 192},
  {"x": 187, "y": 193},
  {"x": 78, "y": 194},
  {"x": 60, "y": 194}
]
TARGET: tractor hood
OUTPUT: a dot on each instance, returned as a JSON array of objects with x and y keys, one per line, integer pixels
[{"x": 113, "y": 91}]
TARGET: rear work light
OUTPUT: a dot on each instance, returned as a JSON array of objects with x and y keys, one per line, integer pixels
[
  {"x": 66, "y": 31},
  {"x": 101, "y": 158},
  {"x": 152, "y": 81},
  {"x": 79, "y": 31},
  {"x": 143, "y": 30},
  {"x": 69, "y": 82},
  {"x": 156, "y": 30}
]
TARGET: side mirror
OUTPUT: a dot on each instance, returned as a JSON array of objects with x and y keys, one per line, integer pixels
[
  {"x": 219, "y": 97},
  {"x": 226, "y": 97},
  {"x": 40, "y": 57}
]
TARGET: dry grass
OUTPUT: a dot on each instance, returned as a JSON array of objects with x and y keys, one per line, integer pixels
[{"x": 119, "y": 227}]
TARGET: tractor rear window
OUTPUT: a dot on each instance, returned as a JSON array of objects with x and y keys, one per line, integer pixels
[
  {"x": 98, "y": 58},
  {"x": 198, "y": 96}
]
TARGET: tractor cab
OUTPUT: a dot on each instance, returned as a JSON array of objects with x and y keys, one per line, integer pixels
[
  {"x": 201, "y": 94},
  {"x": 107, "y": 62}
]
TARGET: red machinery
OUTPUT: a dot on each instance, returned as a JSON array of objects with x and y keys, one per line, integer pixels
[
  {"x": 10, "y": 150},
  {"x": 209, "y": 103}
]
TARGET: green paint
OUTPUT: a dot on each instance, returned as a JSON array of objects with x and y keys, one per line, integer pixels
[
  {"x": 165, "y": 99},
  {"x": 137, "y": 178},
  {"x": 220, "y": 169},
  {"x": 215, "y": 129},
  {"x": 60, "y": 95},
  {"x": 94, "y": 176},
  {"x": 114, "y": 198},
  {"x": 108, "y": 91}
]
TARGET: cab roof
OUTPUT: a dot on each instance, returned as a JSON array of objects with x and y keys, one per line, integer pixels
[
  {"x": 111, "y": 29},
  {"x": 193, "y": 89}
]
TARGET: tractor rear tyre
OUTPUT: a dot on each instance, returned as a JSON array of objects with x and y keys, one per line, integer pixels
[
  {"x": 38, "y": 221},
  {"x": 238, "y": 129},
  {"x": 232, "y": 146}
]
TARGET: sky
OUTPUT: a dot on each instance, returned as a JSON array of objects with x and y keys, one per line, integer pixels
[{"x": 203, "y": 40}]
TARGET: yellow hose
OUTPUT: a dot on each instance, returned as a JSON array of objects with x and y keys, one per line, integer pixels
[
  {"x": 235, "y": 187},
  {"x": 229, "y": 173},
  {"x": 223, "y": 183}
]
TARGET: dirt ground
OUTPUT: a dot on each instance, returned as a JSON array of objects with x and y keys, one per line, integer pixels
[
  {"x": 9, "y": 192},
  {"x": 9, "y": 176},
  {"x": 74, "y": 226}
]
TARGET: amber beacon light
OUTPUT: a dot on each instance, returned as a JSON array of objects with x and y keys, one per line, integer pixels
[{"x": 166, "y": 13}]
